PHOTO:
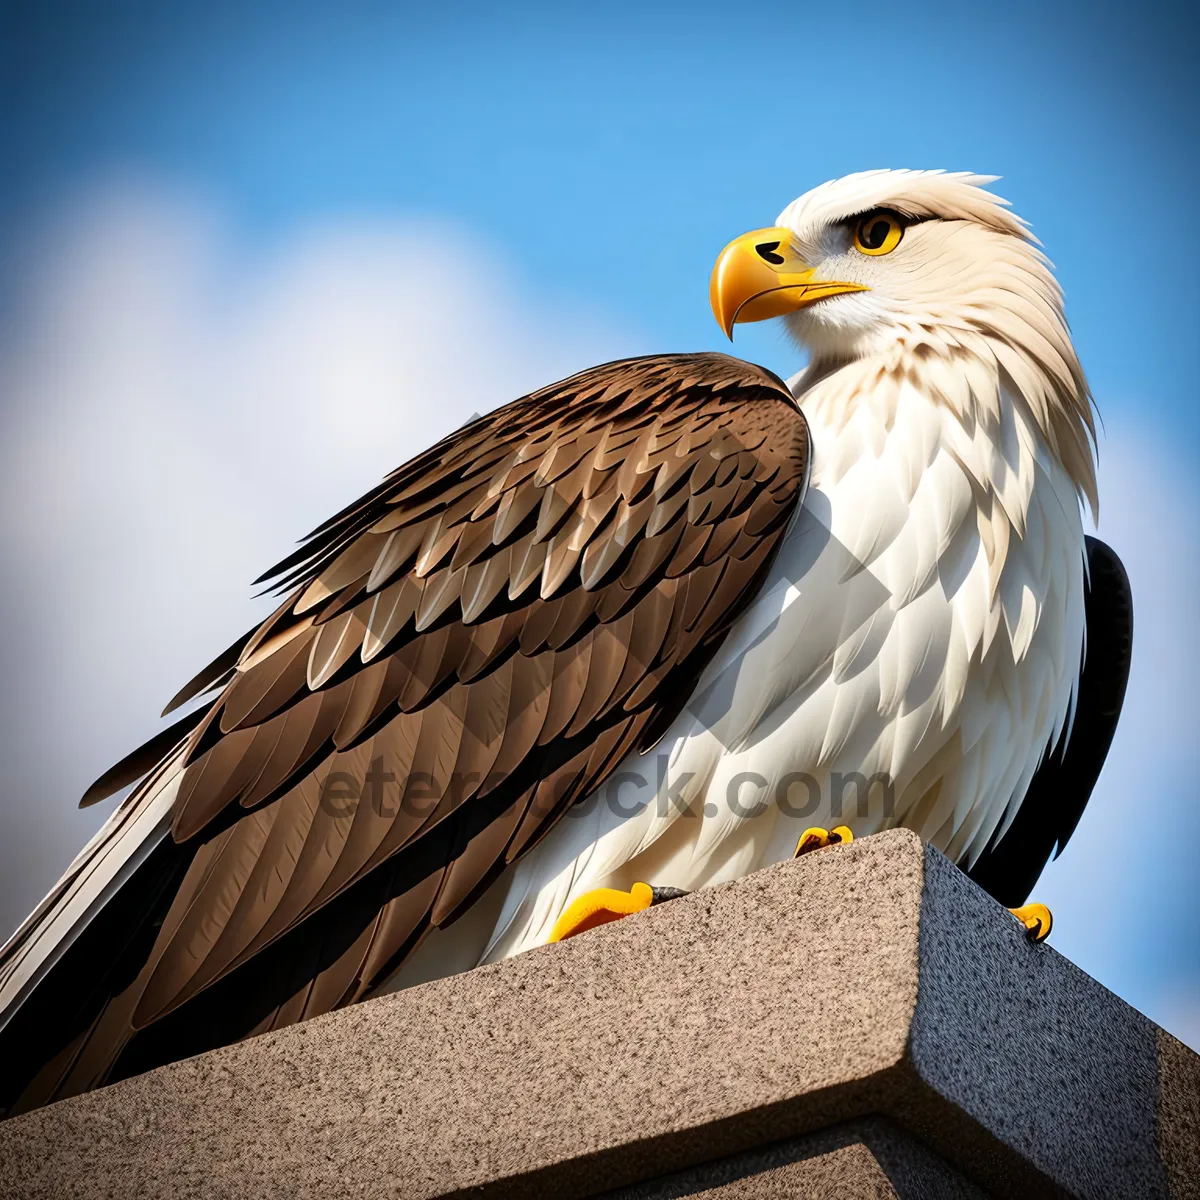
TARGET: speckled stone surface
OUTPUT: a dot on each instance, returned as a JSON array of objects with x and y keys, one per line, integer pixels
[
  {"x": 1077, "y": 1068},
  {"x": 863, "y": 979},
  {"x": 1178, "y": 1112},
  {"x": 860, "y": 1160}
]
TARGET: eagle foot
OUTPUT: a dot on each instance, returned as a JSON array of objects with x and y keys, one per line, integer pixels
[
  {"x": 602, "y": 905},
  {"x": 816, "y": 837},
  {"x": 1037, "y": 920}
]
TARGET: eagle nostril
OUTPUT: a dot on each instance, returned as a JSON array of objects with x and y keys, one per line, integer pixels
[{"x": 766, "y": 250}]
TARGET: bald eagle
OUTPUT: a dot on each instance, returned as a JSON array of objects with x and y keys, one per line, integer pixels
[{"x": 642, "y": 631}]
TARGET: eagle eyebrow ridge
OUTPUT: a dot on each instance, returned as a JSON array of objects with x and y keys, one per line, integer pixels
[{"x": 907, "y": 218}]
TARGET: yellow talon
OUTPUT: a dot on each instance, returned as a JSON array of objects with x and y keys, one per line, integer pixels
[
  {"x": 600, "y": 906},
  {"x": 1037, "y": 920},
  {"x": 816, "y": 837}
]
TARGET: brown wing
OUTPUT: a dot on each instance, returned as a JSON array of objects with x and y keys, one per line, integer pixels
[{"x": 463, "y": 653}]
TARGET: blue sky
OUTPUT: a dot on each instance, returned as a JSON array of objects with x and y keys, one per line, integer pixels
[
  {"x": 609, "y": 149},
  {"x": 590, "y": 162}
]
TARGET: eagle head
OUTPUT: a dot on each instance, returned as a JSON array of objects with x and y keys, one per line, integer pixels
[{"x": 918, "y": 271}]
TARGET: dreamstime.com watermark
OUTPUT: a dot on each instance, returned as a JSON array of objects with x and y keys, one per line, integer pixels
[{"x": 747, "y": 794}]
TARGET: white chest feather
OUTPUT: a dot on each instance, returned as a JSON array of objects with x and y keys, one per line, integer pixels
[{"x": 911, "y": 657}]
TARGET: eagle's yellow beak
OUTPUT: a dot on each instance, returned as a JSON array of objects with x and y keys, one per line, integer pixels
[{"x": 759, "y": 275}]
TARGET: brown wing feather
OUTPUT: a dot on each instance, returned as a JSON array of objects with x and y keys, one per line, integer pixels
[{"x": 490, "y": 630}]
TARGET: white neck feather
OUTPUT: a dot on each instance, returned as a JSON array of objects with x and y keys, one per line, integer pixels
[{"x": 991, "y": 382}]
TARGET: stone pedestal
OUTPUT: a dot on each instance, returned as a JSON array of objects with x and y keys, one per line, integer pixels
[{"x": 862, "y": 1022}]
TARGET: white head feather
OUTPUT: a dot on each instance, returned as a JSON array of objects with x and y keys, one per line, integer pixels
[{"x": 967, "y": 279}]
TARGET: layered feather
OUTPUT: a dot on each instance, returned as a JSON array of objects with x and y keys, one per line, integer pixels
[{"x": 485, "y": 635}]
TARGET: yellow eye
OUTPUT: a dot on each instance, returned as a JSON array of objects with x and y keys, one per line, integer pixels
[{"x": 878, "y": 233}]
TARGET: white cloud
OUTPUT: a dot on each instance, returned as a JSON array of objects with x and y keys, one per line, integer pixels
[{"x": 174, "y": 417}]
